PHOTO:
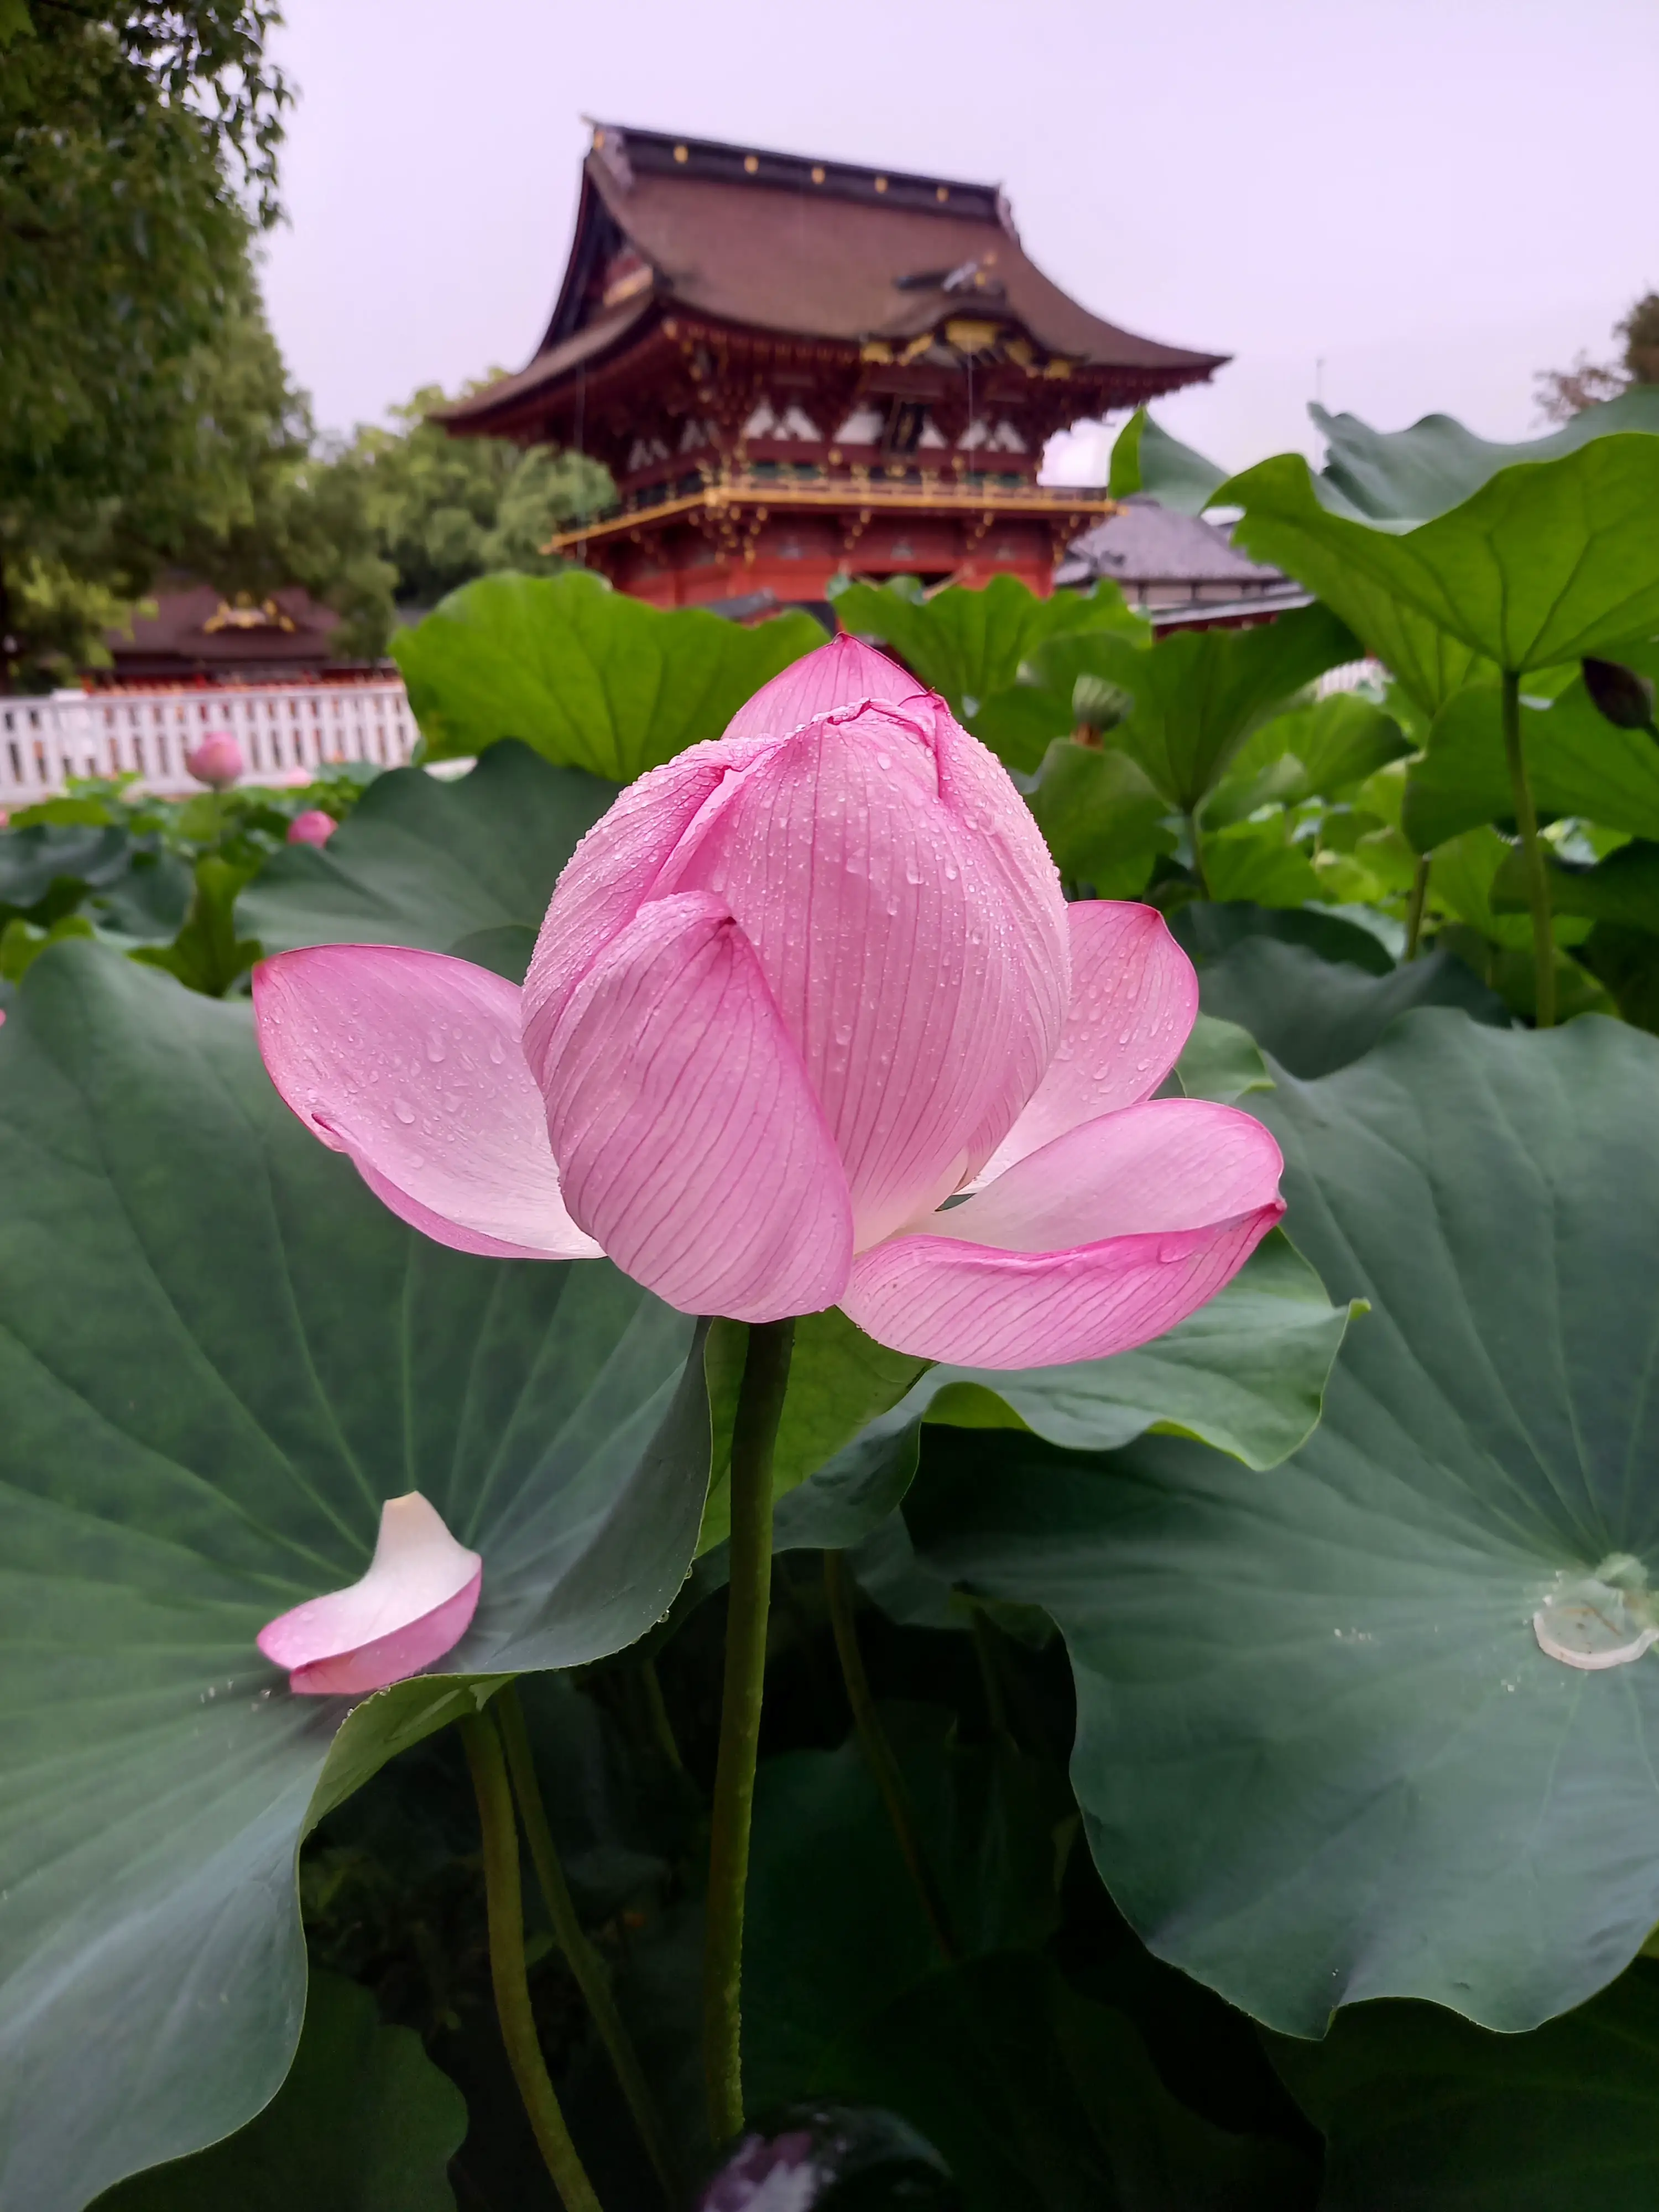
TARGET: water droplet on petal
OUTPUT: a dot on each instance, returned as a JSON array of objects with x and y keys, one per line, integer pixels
[
  {"x": 403, "y": 1111},
  {"x": 497, "y": 1052},
  {"x": 434, "y": 1046}
]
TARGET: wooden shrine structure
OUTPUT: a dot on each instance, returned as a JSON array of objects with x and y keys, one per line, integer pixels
[{"x": 796, "y": 369}]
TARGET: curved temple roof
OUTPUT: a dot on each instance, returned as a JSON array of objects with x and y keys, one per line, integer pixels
[{"x": 782, "y": 244}]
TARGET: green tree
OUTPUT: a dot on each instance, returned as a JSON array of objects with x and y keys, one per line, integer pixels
[
  {"x": 445, "y": 510},
  {"x": 137, "y": 149},
  {"x": 1564, "y": 393}
]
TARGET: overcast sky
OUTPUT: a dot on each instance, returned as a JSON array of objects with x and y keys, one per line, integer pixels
[{"x": 1399, "y": 205}]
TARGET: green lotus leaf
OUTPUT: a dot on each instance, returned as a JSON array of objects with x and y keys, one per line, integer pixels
[
  {"x": 1623, "y": 888},
  {"x": 1199, "y": 693},
  {"x": 1068, "y": 682},
  {"x": 1412, "y": 475},
  {"x": 1324, "y": 1751},
  {"x": 467, "y": 866},
  {"x": 1221, "y": 1061},
  {"x": 1314, "y": 1015},
  {"x": 967, "y": 643},
  {"x": 1104, "y": 823},
  {"x": 1422, "y": 2110},
  {"x": 1260, "y": 864},
  {"x": 1324, "y": 750},
  {"x": 1146, "y": 458},
  {"x": 1577, "y": 763},
  {"x": 840, "y": 1381},
  {"x": 1041, "y": 2100},
  {"x": 218, "y": 1355},
  {"x": 1207, "y": 931},
  {"x": 589, "y": 677},
  {"x": 1548, "y": 559},
  {"x": 364, "y": 2123}
]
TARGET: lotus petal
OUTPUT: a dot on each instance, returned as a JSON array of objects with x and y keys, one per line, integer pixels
[
  {"x": 687, "y": 1132},
  {"x": 843, "y": 673},
  {"x": 1134, "y": 999},
  {"x": 410, "y": 1063},
  {"x": 415, "y": 1603},
  {"x": 1105, "y": 1239}
]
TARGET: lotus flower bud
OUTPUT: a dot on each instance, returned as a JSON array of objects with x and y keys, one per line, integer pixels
[
  {"x": 218, "y": 761},
  {"x": 808, "y": 1023},
  {"x": 1623, "y": 696},
  {"x": 313, "y": 827}
]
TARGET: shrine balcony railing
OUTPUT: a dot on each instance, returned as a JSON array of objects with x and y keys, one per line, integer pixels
[
  {"x": 287, "y": 731},
  {"x": 784, "y": 486}
]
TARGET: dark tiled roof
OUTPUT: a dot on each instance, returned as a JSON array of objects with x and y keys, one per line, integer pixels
[
  {"x": 1146, "y": 543},
  {"x": 199, "y": 628}
]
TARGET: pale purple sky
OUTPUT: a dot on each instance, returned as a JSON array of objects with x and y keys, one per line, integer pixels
[{"x": 1436, "y": 197}]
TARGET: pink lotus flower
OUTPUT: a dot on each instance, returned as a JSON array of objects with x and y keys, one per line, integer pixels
[
  {"x": 415, "y": 1602},
  {"x": 808, "y": 1023},
  {"x": 313, "y": 827},
  {"x": 218, "y": 761}
]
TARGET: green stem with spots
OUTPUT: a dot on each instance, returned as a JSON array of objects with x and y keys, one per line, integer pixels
[
  {"x": 878, "y": 1755},
  {"x": 1538, "y": 885},
  {"x": 584, "y": 1961},
  {"x": 754, "y": 1436},
  {"x": 1419, "y": 900},
  {"x": 507, "y": 1972}
]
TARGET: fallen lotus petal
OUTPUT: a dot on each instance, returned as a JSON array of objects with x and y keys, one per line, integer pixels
[
  {"x": 313, "y": 827},
  {"x": 218, "y": 761},
  {"x": 415, "y": 1602},
  {"x": 800, "y": 989}
]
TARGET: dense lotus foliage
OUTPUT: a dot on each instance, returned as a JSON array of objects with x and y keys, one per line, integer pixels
[{"x": 1051, "y": 1220}]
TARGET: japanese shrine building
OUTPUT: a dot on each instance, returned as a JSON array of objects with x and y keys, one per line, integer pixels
[{"x": 796, "y": 369}]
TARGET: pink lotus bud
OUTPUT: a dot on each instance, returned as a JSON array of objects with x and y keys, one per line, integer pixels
[
  {"x": 218, "y": 761},
  {"x": 798, "y": 988},
  {"x": 313, "y": 827},
  {"x": 415, "y": 1602}
]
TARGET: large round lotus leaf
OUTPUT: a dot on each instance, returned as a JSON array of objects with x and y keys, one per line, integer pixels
[
  {"x": 1543, "y": 562},
  {"x": 218, "y": 1355},
  {"x": 1315, "y": 1015},
  {"x": 592, "y": 679},
  {"x": 1423, "y": 2113},
  {"x": 1322, "y": 1753},
  {"x": 465, "y": 867},
  {"x": 364, "y": 2123}
]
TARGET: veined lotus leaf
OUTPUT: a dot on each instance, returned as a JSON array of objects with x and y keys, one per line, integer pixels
[
  {"x": 1545, "y": 561},
  {"x": 467, "y": 866},
  {"x": 218, "y": 1354},
  {"x": 968, "y": 644},
  {"x": 588, "y": 676},
  {"x": 1323, "y": 1752}
]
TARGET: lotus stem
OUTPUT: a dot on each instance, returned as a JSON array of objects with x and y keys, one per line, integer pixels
[
  {"x": 1419, "y": 899},
  {"x": 990, "y": 1675},
  {"x": 760, "y": 1405},
  {"x": 878, "y": 1752},
  {"x": 1538, "y": 885},
  {"x": 656, "y": 1708},
  {"x": 1196, "y": 842},
  {"x": 584, "y": 1961},
  {"x": 507, "y": 1972}
]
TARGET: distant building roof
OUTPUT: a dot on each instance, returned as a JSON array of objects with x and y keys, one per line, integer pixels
[
  {"x": 197, "y": 630},
  {"x": 1149, "y": 550},
  {"x": 783, "y": 244}
]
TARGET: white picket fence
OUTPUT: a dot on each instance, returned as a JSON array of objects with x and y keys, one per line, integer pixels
[{"x": 286, "y": 730}]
